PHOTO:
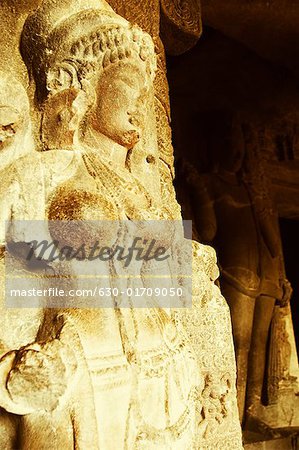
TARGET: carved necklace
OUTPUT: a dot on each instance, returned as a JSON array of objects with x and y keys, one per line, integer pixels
[{"x": 117, "y": 185}]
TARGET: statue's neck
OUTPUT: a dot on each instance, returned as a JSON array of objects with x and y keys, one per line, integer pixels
[{"x": 106, "y": 147}]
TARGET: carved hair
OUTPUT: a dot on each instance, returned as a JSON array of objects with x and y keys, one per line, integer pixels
[
  {"x": 91, "y": 54},
  {"x": 62, "y": 60}
]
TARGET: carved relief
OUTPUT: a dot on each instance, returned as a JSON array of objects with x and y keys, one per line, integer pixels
[
  {"x": 235, "y": 212},
  {"x": 105, "y": 377}
]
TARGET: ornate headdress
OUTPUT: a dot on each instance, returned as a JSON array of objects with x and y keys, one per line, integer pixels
[{"x": 64, "y": 44}]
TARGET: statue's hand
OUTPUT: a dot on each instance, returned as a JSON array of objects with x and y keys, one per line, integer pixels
[
  {"x": 36, "y": 377},
  {"x": 287, "y": 292}
]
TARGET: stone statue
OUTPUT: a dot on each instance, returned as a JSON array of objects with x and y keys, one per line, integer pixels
[
  {"x": 233, "y": 211},
  {"x": 114, "y": 377},
  {"x": 277, "y": 372}
]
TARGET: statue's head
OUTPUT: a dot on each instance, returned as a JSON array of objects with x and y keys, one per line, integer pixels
[
  {"x": 15, "y": 130},
  {"x": 114, "y": 67},
  {"x": 95, "y": 52}
]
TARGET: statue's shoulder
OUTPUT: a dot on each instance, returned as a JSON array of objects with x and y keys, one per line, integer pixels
[
  {"x": 59, "y": 164},
  {"x": 24, "y": 168},
  {"x": 58, "y": 160},
  {"x": 37, "y": 166}
]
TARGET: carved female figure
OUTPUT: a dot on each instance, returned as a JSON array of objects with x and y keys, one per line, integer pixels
[
  {"x": 142, "y": 368},
  {"x": 94, "y": 75}
]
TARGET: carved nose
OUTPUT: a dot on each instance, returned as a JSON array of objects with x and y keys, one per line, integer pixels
[
  {"x": 133, "y": 113},
  {"x": 138, "y": 113}
]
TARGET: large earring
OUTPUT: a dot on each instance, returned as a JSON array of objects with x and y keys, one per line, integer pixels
[
  {"x": 60, "y": 120},
  {"x": 61, "y": 77}
]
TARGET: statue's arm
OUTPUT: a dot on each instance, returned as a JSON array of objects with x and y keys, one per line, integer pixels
[
  {"x": 202, "y": 203},
  {"x": 37, "y": 376},
  {"x": 271, "y": 235},
  {"x": 204, "y": 213},
  {"x": 270, "y": 231}
]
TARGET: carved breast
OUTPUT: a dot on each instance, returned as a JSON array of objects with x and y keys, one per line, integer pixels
[
  {"x": 82, "y": 216},
  {"x": 89, "y": 208}
]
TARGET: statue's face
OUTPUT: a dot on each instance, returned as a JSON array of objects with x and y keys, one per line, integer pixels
[
  {"x": 122, "y": 94},
  {"x": 14, "y": 120}
]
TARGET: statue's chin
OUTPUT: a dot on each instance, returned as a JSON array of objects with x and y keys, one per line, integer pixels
[{"x": 130, "y": 138}]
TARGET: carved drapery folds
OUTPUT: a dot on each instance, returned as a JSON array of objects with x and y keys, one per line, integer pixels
[{"x": 134, "y": 378}]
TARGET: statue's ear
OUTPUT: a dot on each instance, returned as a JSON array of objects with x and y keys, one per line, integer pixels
[{"x": 61, "y": 117}]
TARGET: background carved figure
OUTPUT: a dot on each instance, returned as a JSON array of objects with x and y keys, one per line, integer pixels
[{"x": 233, "y": 210}]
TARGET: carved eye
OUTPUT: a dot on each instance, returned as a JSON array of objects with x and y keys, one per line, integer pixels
[
  {"x": 129, "y": 81},
  {"x": 9, "y": 120}
]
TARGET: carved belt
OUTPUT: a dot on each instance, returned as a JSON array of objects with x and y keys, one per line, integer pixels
[{"x": 244, "y": 280}]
